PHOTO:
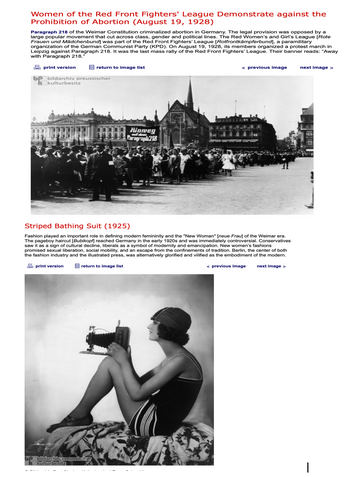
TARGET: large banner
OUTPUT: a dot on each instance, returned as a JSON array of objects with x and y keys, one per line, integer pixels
[{"x": 142, "y": 134}]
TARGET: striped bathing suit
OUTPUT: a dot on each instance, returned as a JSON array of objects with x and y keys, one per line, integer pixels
[{"x": 164, "y": 411}]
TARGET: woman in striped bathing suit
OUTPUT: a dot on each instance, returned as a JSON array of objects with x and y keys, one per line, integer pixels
[{"x": 156, "y": 403}]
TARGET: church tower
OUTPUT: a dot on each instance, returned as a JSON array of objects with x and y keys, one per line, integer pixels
[
  {"x": 182, "y": 126},
  {"x": 189, "y": 102}
]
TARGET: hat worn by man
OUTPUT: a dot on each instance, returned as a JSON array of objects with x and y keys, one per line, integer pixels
[{"x": 76, "y": 148}]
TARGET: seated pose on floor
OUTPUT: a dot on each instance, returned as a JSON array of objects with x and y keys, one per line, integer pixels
[{"x": 156, "y": 403}]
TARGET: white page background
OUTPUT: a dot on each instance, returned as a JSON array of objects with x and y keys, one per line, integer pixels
[{"x": 281, "y": 337}]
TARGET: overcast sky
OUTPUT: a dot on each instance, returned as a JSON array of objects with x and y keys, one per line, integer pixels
[{"x": 279, "y": 98}]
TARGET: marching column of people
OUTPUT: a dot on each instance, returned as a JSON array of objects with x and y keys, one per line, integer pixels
[{"x": 103, "y": 170}]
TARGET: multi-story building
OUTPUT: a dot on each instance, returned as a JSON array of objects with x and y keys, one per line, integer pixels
[
  {"x": 182, "y": 126},
  {"x": 68, "y": 129},
  {"x": 242, "y": 133},
  {"x": 306, "y": 130}
]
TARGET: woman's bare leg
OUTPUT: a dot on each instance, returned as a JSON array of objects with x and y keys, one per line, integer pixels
[{"x": 107, "y": 376}]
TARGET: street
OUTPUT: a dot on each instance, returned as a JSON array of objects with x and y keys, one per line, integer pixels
[{"x": 267, "y": 190}]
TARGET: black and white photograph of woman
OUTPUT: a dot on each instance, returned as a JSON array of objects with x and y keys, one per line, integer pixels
[{"x": 126, "y": 414}]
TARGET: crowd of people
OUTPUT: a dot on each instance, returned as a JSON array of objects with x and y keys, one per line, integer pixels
[{"x": 70, "y": 170}]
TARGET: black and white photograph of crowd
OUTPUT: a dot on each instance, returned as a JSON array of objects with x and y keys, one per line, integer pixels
[{"x": 247, "y": 148}]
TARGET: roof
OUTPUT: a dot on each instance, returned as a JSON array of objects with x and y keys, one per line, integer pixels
[
  {"x": 309, "y": 111},
  {"x": 194, "y": 115},
  {"x": 82, "y": 117}
]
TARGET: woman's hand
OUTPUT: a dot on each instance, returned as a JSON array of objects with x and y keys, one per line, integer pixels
[{"x": 118, "y": 353}]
